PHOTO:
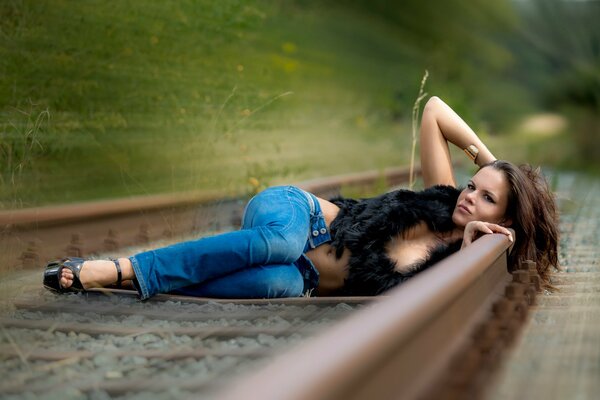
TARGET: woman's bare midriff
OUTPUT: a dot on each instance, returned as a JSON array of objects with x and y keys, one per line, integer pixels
[
  {"x": 405, "y": 249},
  {"x": 332, "y": 270}
]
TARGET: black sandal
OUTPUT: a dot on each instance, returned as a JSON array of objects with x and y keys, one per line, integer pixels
[{"x": 54, "y": 269}]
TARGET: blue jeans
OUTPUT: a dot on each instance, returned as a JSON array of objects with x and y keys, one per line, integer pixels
[{"x": 264, "y": 259}]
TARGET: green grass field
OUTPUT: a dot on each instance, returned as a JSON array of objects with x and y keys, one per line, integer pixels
[
  {"x": 190, "y": 95},
  {"x": 106, "y": 99}
]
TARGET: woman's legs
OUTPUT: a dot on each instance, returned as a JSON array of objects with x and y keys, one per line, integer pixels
[
  {"x": 274, "y": 231},
  {"x": 263, "y": 281}
]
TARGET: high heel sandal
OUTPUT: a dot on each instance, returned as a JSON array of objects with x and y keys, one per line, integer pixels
[{"x": 53, "y": 273}]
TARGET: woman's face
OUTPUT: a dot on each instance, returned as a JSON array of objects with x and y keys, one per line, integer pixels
[{"x": 484, "y": 199}]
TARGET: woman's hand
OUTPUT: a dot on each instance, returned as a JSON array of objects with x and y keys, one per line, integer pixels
[{"x": 475, "y": 229}]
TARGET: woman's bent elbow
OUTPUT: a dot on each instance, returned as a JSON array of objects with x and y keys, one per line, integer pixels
[{"x": 433, "y": 103}]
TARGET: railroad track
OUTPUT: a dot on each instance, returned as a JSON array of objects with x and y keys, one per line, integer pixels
[
  {"x": 439, "y": 335},
  {"x": 108, "y": 342},
  {"x": 456, "y": 317},
  {"x": 104, "y": 339}
]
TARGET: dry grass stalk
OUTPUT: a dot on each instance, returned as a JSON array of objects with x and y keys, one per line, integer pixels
[{"x": 415, "y": 122}]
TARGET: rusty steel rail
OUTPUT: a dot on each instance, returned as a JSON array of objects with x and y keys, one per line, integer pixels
[
  {"x": 442, "y": 326},
  {"x": 29, "y": 237}
]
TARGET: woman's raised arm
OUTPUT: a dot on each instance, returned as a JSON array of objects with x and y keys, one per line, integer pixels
[{"x": 440, "y": 125}]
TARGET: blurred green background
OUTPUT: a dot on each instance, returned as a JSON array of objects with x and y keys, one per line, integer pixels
[{"x": 105, "y": 99}]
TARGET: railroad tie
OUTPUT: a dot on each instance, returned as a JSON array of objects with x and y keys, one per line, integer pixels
[
  {"x": 74, "y": 248},
  {"x": 111, "y": 243}
]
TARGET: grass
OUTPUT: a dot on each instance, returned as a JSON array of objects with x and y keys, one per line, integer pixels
[
  {"x": 191, "y": 95},
  {"x": 555, "y": 148},
  {"x": 114, "y": 99}
]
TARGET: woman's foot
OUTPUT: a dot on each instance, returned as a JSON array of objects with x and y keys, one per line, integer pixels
[{"x": 98, "y": 273}]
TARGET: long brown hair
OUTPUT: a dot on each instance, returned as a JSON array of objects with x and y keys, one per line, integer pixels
[{"x": 532, "y": 209}]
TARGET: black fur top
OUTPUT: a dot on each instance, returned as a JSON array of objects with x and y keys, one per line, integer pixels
[{"x": 365, "y": 227}]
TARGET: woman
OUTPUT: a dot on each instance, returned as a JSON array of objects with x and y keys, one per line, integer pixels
[{"x": 292, "y": 242}]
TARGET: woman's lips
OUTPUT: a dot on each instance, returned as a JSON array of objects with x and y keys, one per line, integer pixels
[{"x": 463, "y": 208}]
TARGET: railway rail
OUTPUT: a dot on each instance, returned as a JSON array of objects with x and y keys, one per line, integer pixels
[{"x": 438, "y": 335}]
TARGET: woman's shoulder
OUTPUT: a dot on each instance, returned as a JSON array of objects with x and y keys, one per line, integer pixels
[
  {"x": 432, "y": 192},
  {"x": 433, "y": 196},
  {"x": 429, "y": 200},
  {"x": 442, "y": 191}
]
